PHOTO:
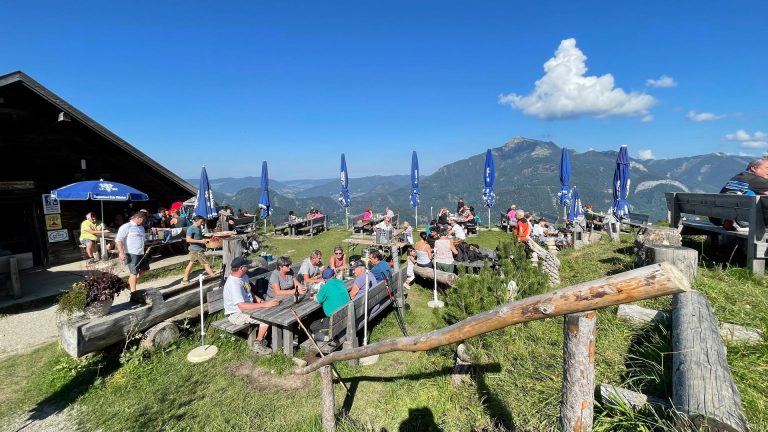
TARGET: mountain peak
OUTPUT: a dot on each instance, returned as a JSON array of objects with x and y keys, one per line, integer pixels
[{"x": 516, "y": 141}]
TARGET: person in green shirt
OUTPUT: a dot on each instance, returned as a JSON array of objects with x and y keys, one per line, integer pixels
[{"x": 332, "y": 295}]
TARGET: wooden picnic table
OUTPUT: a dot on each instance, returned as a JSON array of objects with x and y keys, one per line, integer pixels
[
  {"x": 282, "y": 321},
  {"x": 368, "y": 241}
]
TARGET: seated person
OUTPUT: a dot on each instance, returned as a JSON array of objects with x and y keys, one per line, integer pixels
[
  {"x": 444, "y": 252},
  {"x": 367, "y": 215},
  {"x": 408, "y": 233},
  {"x": 442, "y": 217},
  {"x": 538, "y": 229},
  {"x": 338, "y": 261},
  {"x": 238, "y": 301},
  {"x": 281, "y": 281},
  {"x": 311, "y": 269},
  {"x": 385, "y": 225},
  {"x": 333, "y": 296},
  {"x": 380, "y": 268},
  {"x": 389, "y": 213},
  {"x": 311, "y": 214},
  {"x": 752, "y": 181},
  {"x": 457, "y": 231},
  {"x": 240, "y": 213},
  {"x": 89, "y": 235},
  {"x": 292, "y": 217},
  {"x": 410, "y": 275},
  {"x": 364, "y": 279},
  {"x": 423, "y": 251}
]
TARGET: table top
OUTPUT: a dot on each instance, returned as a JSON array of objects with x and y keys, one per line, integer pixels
[{"x": 281, "y": 314}]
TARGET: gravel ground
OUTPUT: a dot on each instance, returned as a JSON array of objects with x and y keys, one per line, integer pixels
[{"x": 44, "y": 420}]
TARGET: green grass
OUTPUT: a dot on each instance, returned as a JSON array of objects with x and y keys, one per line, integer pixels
[{"x": 516, "y": 381}]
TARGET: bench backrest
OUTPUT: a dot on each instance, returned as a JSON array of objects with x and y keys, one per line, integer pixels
[
  {"x": 317, "y": 221},
  {"x": 721, "y": 206},
  {"x": 378, "y": 300},
  {"x": 638, "y": 218}
]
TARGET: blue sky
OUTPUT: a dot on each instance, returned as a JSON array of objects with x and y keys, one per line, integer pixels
[{"x": 228, "y": 85}]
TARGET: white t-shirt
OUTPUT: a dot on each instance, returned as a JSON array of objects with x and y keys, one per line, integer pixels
[
  {"x": 458, "y": 232},
  {"x": 236, "y": 290},
  {"x": 537, "y": 230},
  {"x": 384, "y": 226}
]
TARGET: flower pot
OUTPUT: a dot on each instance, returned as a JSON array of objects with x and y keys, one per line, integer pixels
[{"x": 98, "y": 309}]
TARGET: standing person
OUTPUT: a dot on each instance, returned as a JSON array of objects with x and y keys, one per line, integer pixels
[
  {"x": 389, "y": 213},
  {"x": 410, "y": 276},
  {"x": 281, "y": 281},
  {"x": 238, "y": 301},
  {"x": 444, "y": 252},
  {"x": 196, "y": 248},
  {"x": 332, "y": 295},
  {"x": 460, "y": 206},
  {"x": 380, "y": 268},
  {"x": 89, "y": 233},
  {"x": 408, "y": 233},
  {"x": 130, "y": 246},
  {"x": 362, "y": 274},
  {"x": 423, "y": 251},
  {"x": 522, "y": 228},
  {"x": 338, "y": 261}
]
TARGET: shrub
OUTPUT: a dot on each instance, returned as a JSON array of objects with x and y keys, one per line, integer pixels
[{"x": 97, "y": 286}]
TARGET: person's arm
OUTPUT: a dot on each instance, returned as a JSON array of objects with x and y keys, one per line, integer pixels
[
  {"x": 353, "y": 291},
  {"x": 247, "y": 306},
  {"x": 453, "y": 249},
  {"x": 191, "y": 239}
]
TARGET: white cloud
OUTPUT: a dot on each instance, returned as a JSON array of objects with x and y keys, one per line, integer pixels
[
  {"x": 663, "y": 82},
  {"x": 647, "y": 119},
  {"x": 566, "y": 92},
  {"x": 756, "y": 140},
  {"x": 645, "y": 154},
  {"x": 703, "y": 117}
]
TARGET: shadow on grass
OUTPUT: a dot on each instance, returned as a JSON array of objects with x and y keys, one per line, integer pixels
[
  {"x": 419, "y": 419},
  {"x": 494, "y": 406}
]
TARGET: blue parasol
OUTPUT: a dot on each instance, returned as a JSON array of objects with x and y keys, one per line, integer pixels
[
  {"x": 575, "y": 211},
  {"x": 98, "y": 190},
  {"x": 265, "y": 206},
  {"x": 344, "y": 200},
  {"x": 204, "y": 205},
  {"x": 565, "y": 178},
  {"x": 489, "y": 198},
  {"x": 415, "y": 193},
  {"x": 620, "y": 205}
]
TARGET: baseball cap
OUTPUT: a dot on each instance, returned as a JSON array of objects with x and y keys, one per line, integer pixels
[
  {"x": 356, "y": 263},
  {"x": 328, "y": 273},
  {"x": 239, "y": 262}
]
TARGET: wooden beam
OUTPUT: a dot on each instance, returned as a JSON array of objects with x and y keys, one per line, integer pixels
[
  {"x": 702, "y": 386},
  {"x": 638, "y": 284},
  {"x": 444, "y": 278},
  {"x": 578, "y": 391}
]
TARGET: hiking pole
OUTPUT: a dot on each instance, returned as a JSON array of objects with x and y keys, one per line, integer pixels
[{"x": 309, "y": 335}]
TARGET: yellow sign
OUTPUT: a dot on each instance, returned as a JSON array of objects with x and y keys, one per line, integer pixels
[{"x": 53, "y": 221}]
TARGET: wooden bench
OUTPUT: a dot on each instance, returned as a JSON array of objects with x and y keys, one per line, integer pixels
[
  {"x": 312, "y": 226},
  {"x": 245, "y": 224},
  {"x": 349, "y": 319},
  {"x": 504, "y": 223},
  {"x": 636, "y": 219},
  {"x": 215, "y": 298},
  {"x": 753, "y": 209}
]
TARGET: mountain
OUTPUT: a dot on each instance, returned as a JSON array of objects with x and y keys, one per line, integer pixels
[{"x": 527, "y": 174}]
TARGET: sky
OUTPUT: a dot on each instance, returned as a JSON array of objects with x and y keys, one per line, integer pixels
[{"x": 296, "y": 83}]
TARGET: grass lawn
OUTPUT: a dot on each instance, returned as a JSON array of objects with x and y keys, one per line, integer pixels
[{"x": 516, "y": 381}]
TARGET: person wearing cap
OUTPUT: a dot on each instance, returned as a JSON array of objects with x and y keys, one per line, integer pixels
[
  {"x": 238, "y": 302},
  {"x": 362, "y": 274},
  {"x": 196, "y": 248},
  {"x": 332, "y": 295},
  {"x": 130, "y": 247}
]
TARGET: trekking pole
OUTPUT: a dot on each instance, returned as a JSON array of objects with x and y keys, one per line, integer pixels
[{"x": 309, "y": 335}]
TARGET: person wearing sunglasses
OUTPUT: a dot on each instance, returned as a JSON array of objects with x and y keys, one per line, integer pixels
[
  {"x": 338, "y": 261},
  {"x": 282, "y": 281}
]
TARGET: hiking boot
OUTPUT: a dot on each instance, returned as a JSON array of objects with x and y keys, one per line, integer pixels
[{"x": 260, "y": 347}]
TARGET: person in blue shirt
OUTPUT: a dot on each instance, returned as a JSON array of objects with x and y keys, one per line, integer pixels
[{"x": 380, "y": 268}]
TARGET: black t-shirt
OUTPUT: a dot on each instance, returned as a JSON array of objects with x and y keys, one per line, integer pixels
[{"x": 757, "y": 184}]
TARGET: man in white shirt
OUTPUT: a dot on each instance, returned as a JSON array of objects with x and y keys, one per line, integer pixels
[
  {"x": 130, "y": 245},
  {"x": 385, "y": 225},
  {"x": 457, "y": 231},
  {"x": 238, "y": 302}
]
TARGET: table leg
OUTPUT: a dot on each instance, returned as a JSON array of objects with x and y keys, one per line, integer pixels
[
  {"x": 277, "y": 338},
  {"x": 288, "y": 341}
]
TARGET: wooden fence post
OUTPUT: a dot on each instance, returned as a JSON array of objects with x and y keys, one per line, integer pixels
[
  {"x": 578, "y": 401},
  {"x": 328, "y": 400}
]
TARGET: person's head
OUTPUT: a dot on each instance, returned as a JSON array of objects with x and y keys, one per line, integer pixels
[
  {"x": 284, "y": 263},
  {"x": 139, "y": 217},
  {"x": 338, "y": 251},
  {"x": 443, "y": 232},
  {"x": 387, "y": 220},
  {"x": 528, "y": 216},
  {"x": 316, "y": 257},
  {"x": 452, "y": 221},
  {"x": 198, "y": 220},
  {"x": 358, "y": 267},
  {"x": 423, "y": 235},
  {"x": 91, "y": 216},
  {"x": 328, "y": 273},
  {"x": 406, "y": 224},
  {"x": 412, "y": 252},
  {"x": 368, "y": 209},
  {"x": 239, "y": 266},
  {"x": 375, "y": 257},
  {"x": 290, "y": 213},
  {"x": 542, "y": 222},
  {"x": 759, "y": 167},
  {"x": 519, "y": 214}
]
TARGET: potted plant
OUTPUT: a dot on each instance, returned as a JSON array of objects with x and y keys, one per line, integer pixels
[{"x": 93, "y": 295}]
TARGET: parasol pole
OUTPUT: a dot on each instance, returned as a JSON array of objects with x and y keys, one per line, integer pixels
[
  {"x": 102, "y": 241},
  {"x": 203, "y": 352},
  {"x": 435, "y": 303},
  {"x": 346, "y": 217},
  {"x": 489, "y": 218},
  {"x": 416, "y": 220}
]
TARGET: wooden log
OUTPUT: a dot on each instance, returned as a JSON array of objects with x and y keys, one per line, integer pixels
[
  {"x": 444, "y": 278},
  {"x": 578, "y": 402},
  {"x": 160, "y": 335},
  {"x": 703, "y": 388},
  {"x": 638, "y": 284},
  {"x": 731, "y": 333},
  {"x": 82, "y": 336},
  {"x": 350, "y": 338},
  {"x": 685, "y": 259},
  {"x": 328, "y": 400},
  {"x": 641, "y": 315},
  {"x": 614, "y": 396}
]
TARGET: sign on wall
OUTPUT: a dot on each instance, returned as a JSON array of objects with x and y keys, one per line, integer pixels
[
  {"x": 50, "y": 204},
  {"x": 58, "y": 236},
  {"x": 52, "y": 222}
]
